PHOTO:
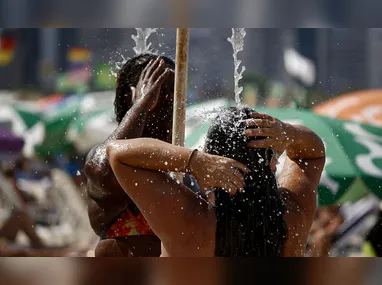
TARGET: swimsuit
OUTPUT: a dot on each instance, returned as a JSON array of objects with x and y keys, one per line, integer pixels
[
  {"x": 131, "y": 222},
  {"x": 128, "y": 223}
]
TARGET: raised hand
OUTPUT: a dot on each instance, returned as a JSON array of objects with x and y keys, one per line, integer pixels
[
  {"x": 212, "y": 171},
  {"x": 150, "y": 83},
  {"x": 276, "y": 134}
]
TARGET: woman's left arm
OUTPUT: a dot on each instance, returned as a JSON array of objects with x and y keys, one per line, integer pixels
[
  {"x": 211, "y": 171},
  {"x": 173, "y": 212},
  {"x": 150, "y": 154}
]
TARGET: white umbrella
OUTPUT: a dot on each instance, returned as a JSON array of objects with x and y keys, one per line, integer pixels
[{"x": 91, "y": 129}]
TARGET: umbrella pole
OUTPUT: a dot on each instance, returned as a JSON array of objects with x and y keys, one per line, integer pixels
[{"x": 180, "y": 89}]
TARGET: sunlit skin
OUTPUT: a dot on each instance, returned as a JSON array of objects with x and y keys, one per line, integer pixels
[
  {"x": 133, "y": 159},
  {"x": 107, "y": 198},
  {"x": 186, "y": 225}
]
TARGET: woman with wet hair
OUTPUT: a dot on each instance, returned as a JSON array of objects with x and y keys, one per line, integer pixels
[{"x": 242, "y": 211}]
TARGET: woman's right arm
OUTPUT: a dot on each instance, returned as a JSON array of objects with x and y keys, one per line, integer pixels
[
  {"x": 210, "y": 171},
  {"x": 299, "y": 180},
  {"x": 300, "y": 175},
  {"x": 302, "y": 169}
]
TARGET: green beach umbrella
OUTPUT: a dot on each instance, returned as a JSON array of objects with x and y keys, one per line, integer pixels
[
  {"x": 56, "y": 122},
  {"x": 91, "y": 129},
  {"x": 24, "y": 121},
  {"x": 59, "y": 121},
  {"x": 20, "y": 117},
  {"x": 354, "y": 154}
]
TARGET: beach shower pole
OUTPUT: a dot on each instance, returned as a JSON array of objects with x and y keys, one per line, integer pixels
[{"x": 180, "y": 88}]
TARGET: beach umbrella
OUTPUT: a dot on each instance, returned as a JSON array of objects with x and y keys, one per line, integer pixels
[
  {"x": 354, "y": 154},
  {"x": 23, "y": 120},
  {"x": 58, "y": 119},
  {"x": 91, "y": 129},
  {"x": 363, "y": 106},
  {"x": 19, "y": 117}
]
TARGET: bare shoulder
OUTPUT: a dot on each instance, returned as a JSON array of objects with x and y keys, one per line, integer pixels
[
  {"x": 96, "y": 161},
  {"x": 299, "y": 182},
  {"x": 298, "y": 225},
  {"x": 101, "y": 181}
]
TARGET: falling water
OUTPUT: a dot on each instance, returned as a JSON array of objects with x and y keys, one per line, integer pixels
[
  {"x": 117, "y": 65},
  {"x": 141, "y": 46},
  {"x": 237, "y": 42},
  {"x": 140, "y": 39}
]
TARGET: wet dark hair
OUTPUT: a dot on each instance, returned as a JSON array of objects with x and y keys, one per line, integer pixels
[
  {"x": 128, "y": 76},
  {"x": 251, "y": 223}
]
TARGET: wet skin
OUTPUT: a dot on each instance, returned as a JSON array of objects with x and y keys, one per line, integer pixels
[
  {"x": 185, "y": 224},
  {"x": 106, "y": 197}
]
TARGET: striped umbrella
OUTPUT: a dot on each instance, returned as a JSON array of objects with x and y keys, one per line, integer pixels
[{"x": 362, "y": 106}]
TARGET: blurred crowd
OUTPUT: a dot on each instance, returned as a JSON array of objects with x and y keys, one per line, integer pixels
[{"x": 43, "y": 209}]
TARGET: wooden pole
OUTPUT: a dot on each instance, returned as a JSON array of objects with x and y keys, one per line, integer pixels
[{"x": 180, "y": 89}]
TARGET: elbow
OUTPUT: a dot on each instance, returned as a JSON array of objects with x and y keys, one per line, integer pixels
[
  {"x": 317, "y": 146},
  {"x": 96, "y": 166},
  {"x": 117, "y": 152},
  {"x": 322, "y": 148},
  {"x": 112, "y": 152}
]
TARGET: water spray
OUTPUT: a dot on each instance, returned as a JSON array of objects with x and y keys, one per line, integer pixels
[
  {"x": 141, "y": 40},
  {"x": 237, "y": 42}
]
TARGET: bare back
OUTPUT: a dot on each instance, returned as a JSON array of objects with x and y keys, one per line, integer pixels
[{"x": 187, "y": 227}]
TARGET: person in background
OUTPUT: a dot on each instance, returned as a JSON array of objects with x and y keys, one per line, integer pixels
[
  {"x": 374, "y": 238},
  {"x": 20, "y": 219},
  {"x": 324, "y": 227}
]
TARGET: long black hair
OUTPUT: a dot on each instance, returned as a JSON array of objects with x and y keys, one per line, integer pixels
[{"x": 251, "y": 223}]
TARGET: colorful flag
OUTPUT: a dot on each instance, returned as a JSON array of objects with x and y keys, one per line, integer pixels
[{"x": 7, "y": 50}]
